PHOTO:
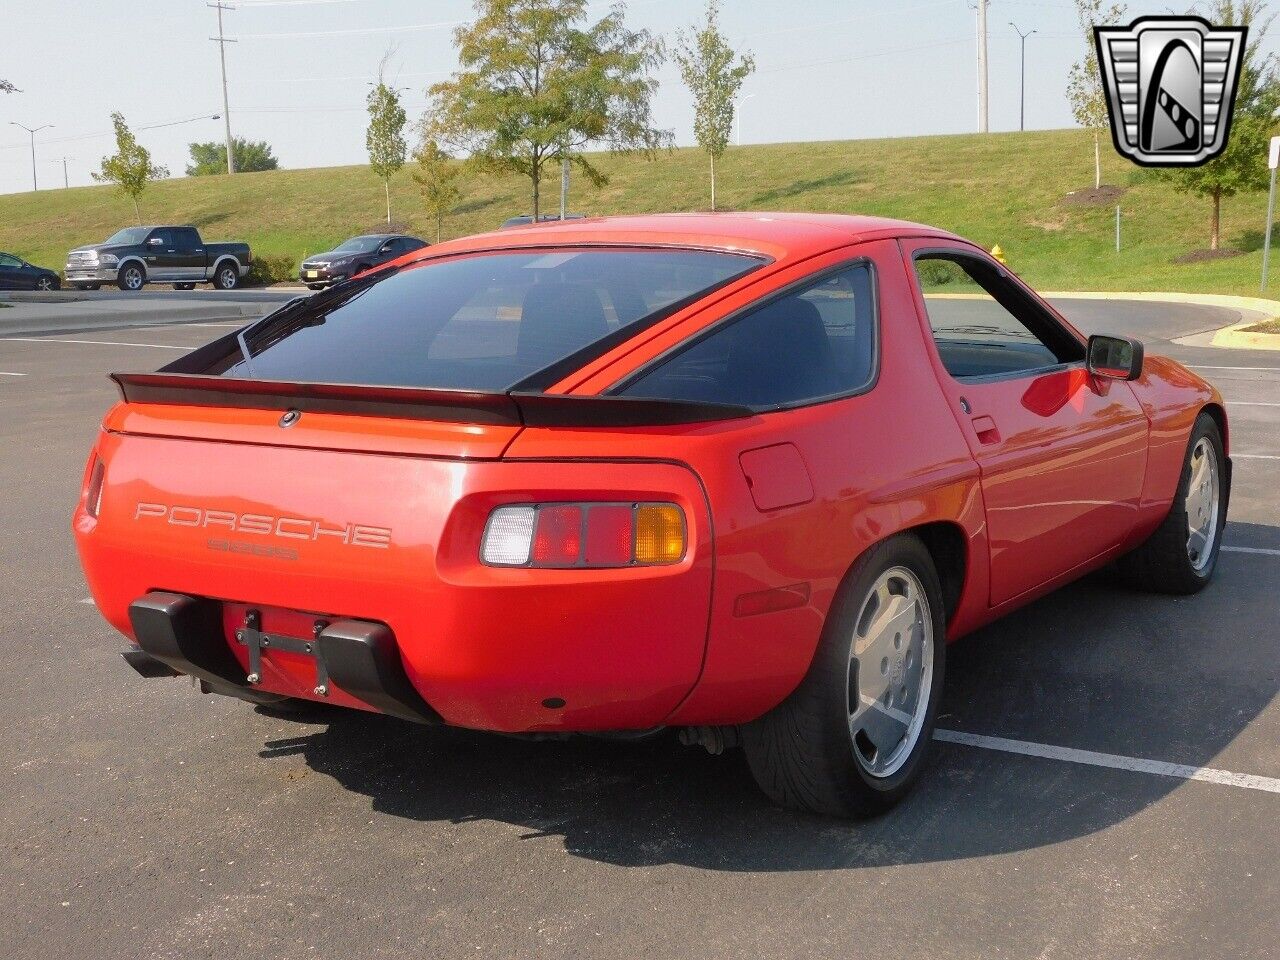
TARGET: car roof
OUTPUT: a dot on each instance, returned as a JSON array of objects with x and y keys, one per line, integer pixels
[{"x": 775, "y": 235}]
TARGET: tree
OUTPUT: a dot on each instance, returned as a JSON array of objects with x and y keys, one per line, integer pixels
[
  {"x": 130, "y": 168},
  {"x": 437, "y": 178},
  {"x": 1084, "y": 81},
  {"x": 7, "y": 87},
  {"x": 537, "y": 84},
  {"x": 210, "y": 158},
  {"x": 707, "y": 64},
  {"x": 1243, "y": 164},
  {"x": 385, "y": 137}
]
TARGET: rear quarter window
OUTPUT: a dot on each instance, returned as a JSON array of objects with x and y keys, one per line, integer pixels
[{"x": 816, "y": 342}]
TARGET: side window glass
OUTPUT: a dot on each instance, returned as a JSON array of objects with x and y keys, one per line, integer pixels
[
  {"x": 8, "y": 261},
  {"x": 163, "y": 236},
  {"x": 815, "y": 343},
  {"x": 983, "y": 323},
  {"x": 186, "y": 239}
]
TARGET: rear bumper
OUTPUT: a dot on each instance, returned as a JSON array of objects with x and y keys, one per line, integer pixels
[
  {"x": 358, "y": 658},
  {"x": 505, "y": 649}
]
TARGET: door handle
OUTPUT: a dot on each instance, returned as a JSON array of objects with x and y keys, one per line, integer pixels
[{"x": 986, "y": 430}]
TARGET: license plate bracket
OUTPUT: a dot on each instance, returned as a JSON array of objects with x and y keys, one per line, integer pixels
[{"x": 256, "y": 640}]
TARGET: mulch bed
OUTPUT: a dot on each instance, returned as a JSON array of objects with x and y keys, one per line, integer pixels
[
  {"x": 1204, "y": 256},
  {"x": 1091, "y": 197}
]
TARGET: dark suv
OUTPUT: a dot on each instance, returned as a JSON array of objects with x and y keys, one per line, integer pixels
[{"x": 355, "y": 256}]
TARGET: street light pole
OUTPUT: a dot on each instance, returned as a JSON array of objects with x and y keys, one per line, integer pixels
[
  {"x": 983, "y": 113},
  {"x": 1022, "y": 86},
  {"x": 33, "y": 131},
  {"x": 222, "y": 42},
  {"x": 66, "y": 182},
  {"x": 738, "y": 114}
]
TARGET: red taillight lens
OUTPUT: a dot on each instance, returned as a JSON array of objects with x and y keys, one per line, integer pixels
[
  {"x": 93, "y": 495},
  {"x": 610, "y": 535},
  {"x": 584, "y": 535},
  {"x": 557, "y": 538}
]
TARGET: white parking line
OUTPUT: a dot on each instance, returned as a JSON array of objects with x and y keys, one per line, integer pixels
[
  {"x": 1255, "y": 456},
  {"x": 1250, "y": 403},
  {"x": 1263, "y": 551},
  {"x": 5, "y": 373},
  {"x": 86, "y": 600},
  {"x": 98, "y": 343},
  {"x": 1114, "y": 761}
]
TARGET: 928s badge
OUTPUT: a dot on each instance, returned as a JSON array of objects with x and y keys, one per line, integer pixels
[{"x": 1171, "y": 87}]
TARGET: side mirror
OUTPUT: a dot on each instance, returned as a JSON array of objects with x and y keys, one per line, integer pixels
[
  {"x": 1116, "y": 358},
  {"x": 154, "y": 242}
]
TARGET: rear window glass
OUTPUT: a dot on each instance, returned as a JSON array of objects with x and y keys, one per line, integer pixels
[{"x": 484, "y": 322}]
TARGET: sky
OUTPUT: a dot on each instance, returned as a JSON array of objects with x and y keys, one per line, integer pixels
[{"x": 299, "y": 71}]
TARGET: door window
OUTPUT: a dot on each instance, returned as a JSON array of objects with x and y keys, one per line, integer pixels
[
  {"x": 166, "y": 240},
  {"x": 8, "y": 262},
  {"x": 186, "y": 239},
  {"x": 813, "y": 344},
  {"x": 986, "y": 325}
]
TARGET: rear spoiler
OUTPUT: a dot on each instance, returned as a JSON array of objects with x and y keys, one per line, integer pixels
[{"x": 413, "y": 403}]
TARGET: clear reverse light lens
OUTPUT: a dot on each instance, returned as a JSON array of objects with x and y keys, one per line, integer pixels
[{"x": 508, "y": 537}]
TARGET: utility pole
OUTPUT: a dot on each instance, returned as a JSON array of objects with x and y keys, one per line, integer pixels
[
  {"x": 1022, "y": 85},
  {"x": 65, "y": 181},
  {"x": 983, "y": 114},
  {"x": 222, "y": 42},
  {"x": 33, "y": 131}
]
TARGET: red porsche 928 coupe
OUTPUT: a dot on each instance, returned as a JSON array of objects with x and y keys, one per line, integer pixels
[{"x": 742, "y": 474}]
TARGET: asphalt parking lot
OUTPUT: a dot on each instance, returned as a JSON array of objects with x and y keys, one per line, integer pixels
[{"x": 139, "y": 819}]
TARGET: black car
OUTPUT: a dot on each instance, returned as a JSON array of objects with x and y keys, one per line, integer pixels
[
  {"x": 525, "y": 220},
  {"x": 355, "y": 256},
  {"x": 17, "y": 274}
]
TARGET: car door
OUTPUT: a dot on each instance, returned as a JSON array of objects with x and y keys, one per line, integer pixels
[
  {"x": 161, "y": 255},
  {"x": 1062, "y": 453},
  {"x": 189, "y": 256},
  {"x": 11, "y": 274},
  {"x": 389, "y": 250}
]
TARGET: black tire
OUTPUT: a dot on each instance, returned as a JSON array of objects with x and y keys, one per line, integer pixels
[
  {"x": 1163, "y": 564},
  {"x": 315, "y": 286},
  {"x": 226, "y": 276},
  {"x": 131, "y": 278},
  {"x": 48, "y": 283},
  {"x": 184, "y": 286},
  {"x": 87, "y": 286},
  {"x": 802, "y": 752}
]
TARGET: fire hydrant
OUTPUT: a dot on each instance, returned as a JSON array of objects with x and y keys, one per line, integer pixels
[{"x": 999, "y": 254}]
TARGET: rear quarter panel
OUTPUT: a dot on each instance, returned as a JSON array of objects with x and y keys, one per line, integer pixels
[{"x": 879, "y": 463}]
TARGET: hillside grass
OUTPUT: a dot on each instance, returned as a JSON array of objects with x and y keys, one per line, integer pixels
[{"x": 1005, "y": 189}]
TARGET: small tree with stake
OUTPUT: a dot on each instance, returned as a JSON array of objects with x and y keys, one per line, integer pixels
[
  {"x": 1084, "y": 81},
  {"x": 1243, "y": 164},
  {"x": 537, "y": 84},
  {"x": 707, "y": 64},
  {"x": 437, "y": 179},
  {"x": 385, "y": 136},
  {"x": 130, "y": 167}
]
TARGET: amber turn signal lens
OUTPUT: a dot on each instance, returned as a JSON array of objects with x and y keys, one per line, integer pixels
[{"x": 659, "y": 533}]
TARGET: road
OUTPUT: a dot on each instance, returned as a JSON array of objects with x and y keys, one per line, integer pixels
[{"x": 140, "y": 819}]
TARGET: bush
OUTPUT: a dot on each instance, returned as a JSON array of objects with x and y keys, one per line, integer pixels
[
  {"x": 267, "y": 270},
  {"x": 936, "y": 273}
]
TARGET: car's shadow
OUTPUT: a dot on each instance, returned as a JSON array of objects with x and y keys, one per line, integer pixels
[{"x": 1094, "y": 666}]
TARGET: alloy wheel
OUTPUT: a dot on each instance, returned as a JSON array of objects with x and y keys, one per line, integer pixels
[
  {"x": 890, "y": 675},
  {"x": 1203, "y": 491}
]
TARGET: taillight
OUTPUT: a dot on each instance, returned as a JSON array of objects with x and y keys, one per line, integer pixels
[
  {"x": 568, "y": 535},
  {"x": 93, "y": 496}
]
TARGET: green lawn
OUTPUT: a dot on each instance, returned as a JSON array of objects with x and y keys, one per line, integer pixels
[{"x": 1000, "y": 188}]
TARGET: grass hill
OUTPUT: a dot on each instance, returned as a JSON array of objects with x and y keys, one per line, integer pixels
[{"x": 1009, "y": 189}]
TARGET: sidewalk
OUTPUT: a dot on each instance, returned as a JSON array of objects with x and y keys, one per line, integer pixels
[{"x": 77, "y": 315}]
